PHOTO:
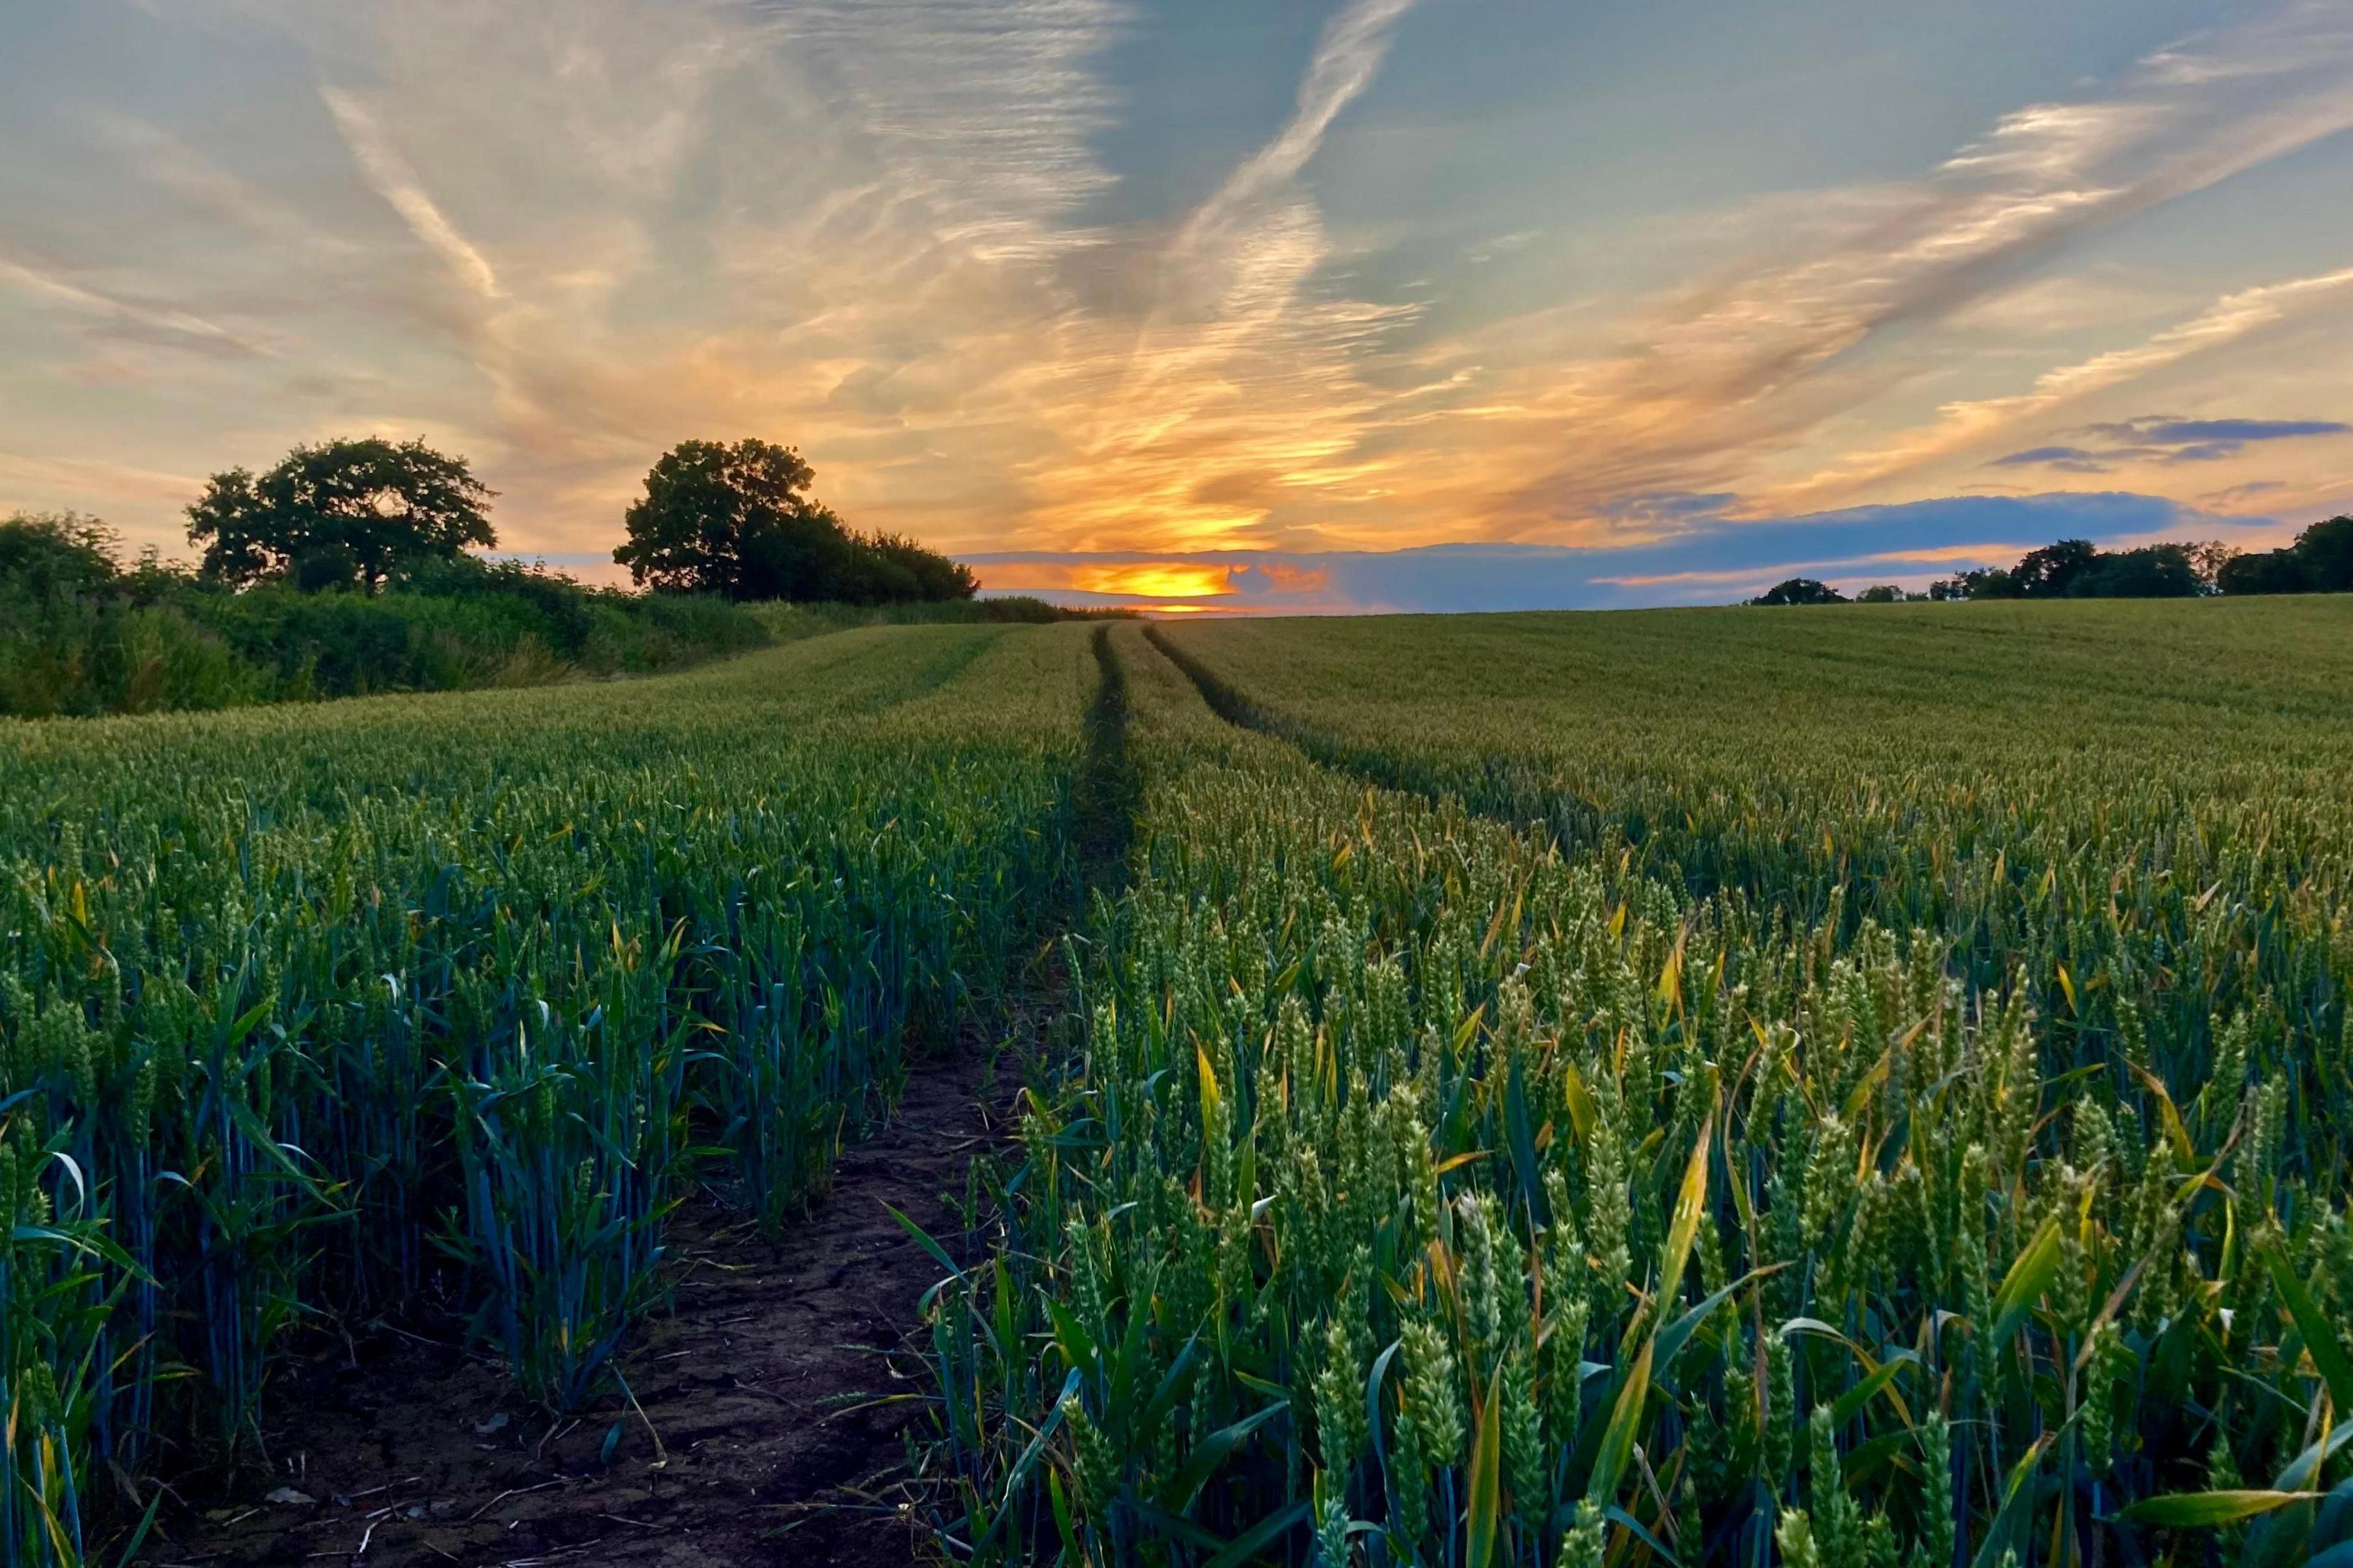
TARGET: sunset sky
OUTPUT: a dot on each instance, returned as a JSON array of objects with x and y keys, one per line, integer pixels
[{"x": 1213, "y": 303}]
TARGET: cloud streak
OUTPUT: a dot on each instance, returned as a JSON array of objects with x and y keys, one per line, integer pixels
[
  {"x": 2166, "y": 441},
  {"x": 393, "y": 180},
  {"x": 1346, "y": 58},
  {"x": 1239, "y": 390},
  {"x": 1961, "y": 426},
  {"x": 560, "y": 235},
  {"x": 1729, "y": 377},
  {"x": 155, "y": 322}
]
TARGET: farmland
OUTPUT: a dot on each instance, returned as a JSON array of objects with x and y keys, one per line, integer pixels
[
  {"x": 311, "y": 1013},
  {"x": 1853, "y": 1086}
]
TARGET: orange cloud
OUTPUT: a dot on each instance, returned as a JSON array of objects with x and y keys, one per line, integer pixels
[{"x": 1286, "y": 579}]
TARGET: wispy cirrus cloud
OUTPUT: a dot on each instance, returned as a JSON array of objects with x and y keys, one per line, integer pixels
[
  {"x": 1238, "y": 391},
  {"x": 1346, "y": 58},
  {"x": 1669, "y": 509},
  {"x": 168, "y": 166},
  {"x": 118, "y": 314},
  {"x": 560, "y": 235},
  {"x": 839, "y": 225},
  {"x": 1725, "y": 380},
  {"x": 397, "y": 184},
  {"x": 105, "y": 484},
  {"x": 1962, "y": 426},
  {"x": 2231, "y": 499}
]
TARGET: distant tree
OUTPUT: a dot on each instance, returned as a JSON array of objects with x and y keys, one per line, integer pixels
[
  {"x": 736, "y": 521},
  {"x": 2075, "y": 569},
  {"x": 58, "y": 555},
  {"x": 340, "y": 514},
  {"x": 2209, "y": 556},
  {"x": 2326, "y": 550},
  {"x": 2264, "y": 572},
  {"x": 1880, "y": 594},
  {"x": 2150, "y": 571},
  {"x": 1990, "y": 582},
  {"x": 739, "y": 520},
  {"x": 2054, "y": 570},
  {"x": 2320, "y": 562},
  {"x": 1799, "y": 591}
]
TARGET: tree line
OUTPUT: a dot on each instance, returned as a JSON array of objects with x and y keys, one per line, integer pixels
[
  {"x": 2320, "y": 561},
  {"x": 737, "y": 521},
  {"x": 86, "y": 630},
  {"x": 349, "y": 566}
]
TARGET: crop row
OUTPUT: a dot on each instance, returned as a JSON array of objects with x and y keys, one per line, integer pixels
[
  {"x": 436, "y": 1008},
  {"x": 1793, "y": 1143}
]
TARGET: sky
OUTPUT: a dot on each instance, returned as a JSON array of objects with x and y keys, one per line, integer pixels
[{"x": 1213, "y": 305}]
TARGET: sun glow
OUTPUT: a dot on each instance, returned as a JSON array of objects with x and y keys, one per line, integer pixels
[
  {"x": 1156, "y": 580},
  {"x": 1127, "y": 579}
]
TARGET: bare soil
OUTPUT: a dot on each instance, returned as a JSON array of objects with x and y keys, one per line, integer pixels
[
  {"x": 772, "y": 1402},
  {"x": 781, "y": 1386}
]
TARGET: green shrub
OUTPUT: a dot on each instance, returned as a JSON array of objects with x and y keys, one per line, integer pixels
[{"x": 79, "y": 635}]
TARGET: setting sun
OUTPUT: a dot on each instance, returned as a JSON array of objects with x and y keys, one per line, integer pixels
[{"x": 1158, "y": 580}]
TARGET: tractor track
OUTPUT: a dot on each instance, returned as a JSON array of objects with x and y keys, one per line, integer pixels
[{"x": 774, "y": 1405}]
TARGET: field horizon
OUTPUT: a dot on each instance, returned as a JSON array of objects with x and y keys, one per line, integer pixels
[
  {"x": 1176, "y": 784},
  {"x": 1748, "y": 1084}
]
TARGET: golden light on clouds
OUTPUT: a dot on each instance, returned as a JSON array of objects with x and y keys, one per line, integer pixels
[
  {"x": 1288, "y": 579},
  {"x": 557, "y": 239}
]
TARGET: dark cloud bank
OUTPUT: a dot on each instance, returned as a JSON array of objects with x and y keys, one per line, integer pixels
[{"x": 2159, "y": 439}]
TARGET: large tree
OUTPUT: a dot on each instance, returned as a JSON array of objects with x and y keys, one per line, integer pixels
[
  {"x": 341, "y": 512},
  {"x": 739, "y": 520},
  {"x": 736, "y": 520},
  {"x": 1799, "y": 591}
]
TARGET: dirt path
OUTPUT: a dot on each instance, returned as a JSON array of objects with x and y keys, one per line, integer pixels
[
  {"x": 762, "y": 1386},
  {"x": 774, "y": 1402}
]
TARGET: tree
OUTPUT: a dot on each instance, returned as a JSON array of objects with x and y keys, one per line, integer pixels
[
  {"x": 338, "y": 513},
  {"x": 58, "y": 554},
  {"x": 1800, "y": 591},
  {"x": 2210, "y": 558},
  {"x": 2320, "y": 562},
  {"x": 905, "y": 570},
  {"x": 2152, "y": 571},
  {"x": 725, "y": 519},
  {"x": 1881, "y": 594},
  {"x": 2054, "y": 570},
  {"x": 2264, "y": 572},
  {"x": 1986, "y": 583},
  {"x": 739, "y": 520},
  {"x": 2326, "y": 550}
]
